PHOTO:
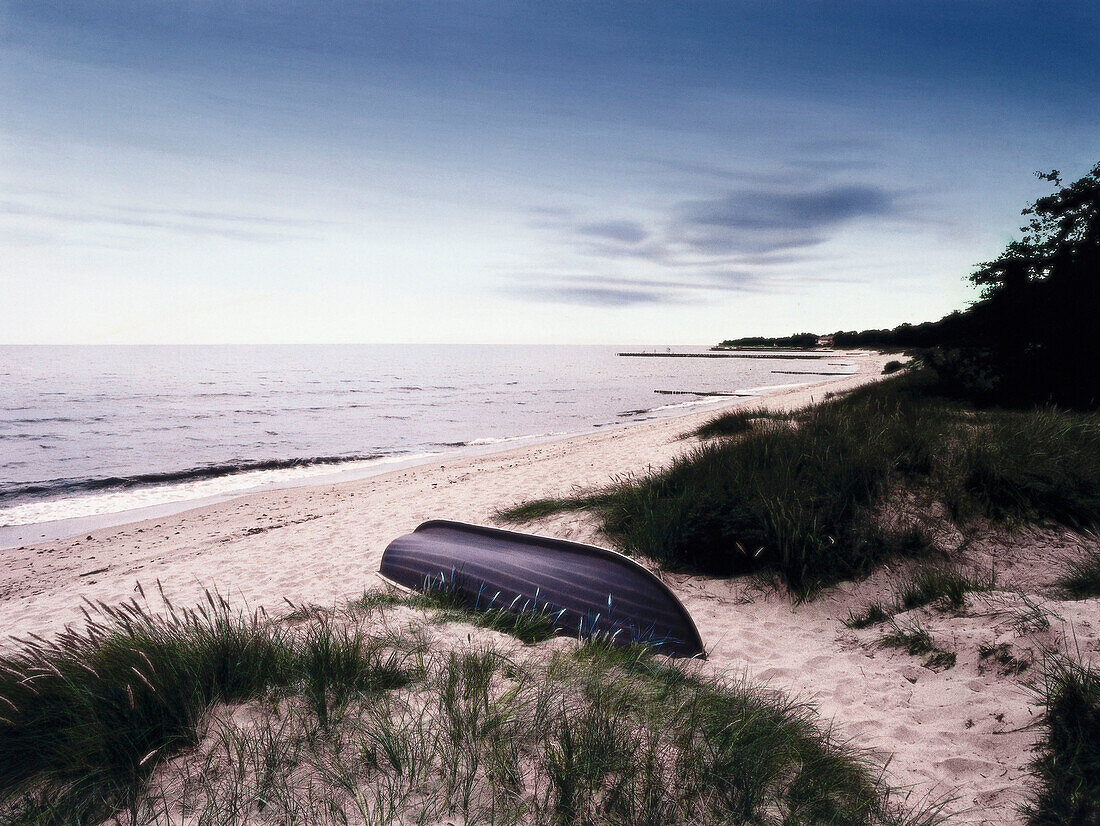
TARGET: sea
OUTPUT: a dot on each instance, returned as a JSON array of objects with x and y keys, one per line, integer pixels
[{"x": 94, "y": 435}]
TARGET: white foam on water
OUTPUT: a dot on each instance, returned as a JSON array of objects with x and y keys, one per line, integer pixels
[
  {"x": 116, "y": 501},
  {"x": 488, "y": 440}
]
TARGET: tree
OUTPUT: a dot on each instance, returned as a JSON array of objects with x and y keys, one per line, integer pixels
[{"x": 1040, "y": 313}]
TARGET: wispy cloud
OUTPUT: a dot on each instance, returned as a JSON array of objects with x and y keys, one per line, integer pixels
[
  {"x": 625, "y": 232},
  {"x": 761, "y": 221},
  {"x": 241, "y": 226},
  {"x": 752, "y": 238},
  {"x": 592, "y": 296}
]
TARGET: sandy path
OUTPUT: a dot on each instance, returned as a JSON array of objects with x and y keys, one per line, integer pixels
[{"x": 966, "y": 731}]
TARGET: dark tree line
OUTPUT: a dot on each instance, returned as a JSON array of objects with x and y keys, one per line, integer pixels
[{"x": 800, "y": 340}]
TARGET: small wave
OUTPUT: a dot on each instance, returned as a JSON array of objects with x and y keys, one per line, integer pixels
[
  {"x": 84, "y": 504},
  {"x": 50, "y": 420},
  {"x": 213, "y": 471}
]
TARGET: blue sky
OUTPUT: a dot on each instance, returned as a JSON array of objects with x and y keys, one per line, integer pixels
[{"x": 587, "y": 172}]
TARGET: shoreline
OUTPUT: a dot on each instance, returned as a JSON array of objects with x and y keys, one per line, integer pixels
[{"x": 32, "y": 533}]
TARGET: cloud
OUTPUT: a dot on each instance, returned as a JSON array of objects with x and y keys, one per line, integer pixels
[
  {"x": 241, "y": 226},
  {"x": 593, "y": 296},
  {"x": 761, "y": 221},
  {"x": 624, "y": 232},
  {"x": 753, "y": 238}
]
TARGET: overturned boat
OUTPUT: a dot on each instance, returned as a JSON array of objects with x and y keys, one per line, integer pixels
[{"x": 587, "y": 591}]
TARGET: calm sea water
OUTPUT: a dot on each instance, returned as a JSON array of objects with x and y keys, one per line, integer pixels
[{"x": 87, "y": 431}]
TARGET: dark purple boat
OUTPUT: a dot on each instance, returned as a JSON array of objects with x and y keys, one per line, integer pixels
[{"x": 589, "y": 591}]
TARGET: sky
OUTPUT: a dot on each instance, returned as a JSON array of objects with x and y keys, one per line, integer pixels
[{"x": 521, "y": 172}]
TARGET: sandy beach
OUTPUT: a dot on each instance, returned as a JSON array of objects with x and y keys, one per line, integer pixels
[{"x": 965, "y": 733}]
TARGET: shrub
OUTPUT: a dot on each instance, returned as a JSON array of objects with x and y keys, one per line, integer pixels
[{"x": 1068, "y": 767}]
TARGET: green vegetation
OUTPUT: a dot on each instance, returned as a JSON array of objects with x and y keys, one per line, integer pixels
[
  {"x": 1040, "y": 465},
  {"x": 1069, "y": 765},
  {"x": 1002, "y": 654},
  {"x": 87, "y": 717},
  {"x": 448, "y": 602},
  {"x": 915, "y": 639},
  {"x": 799, "y": 341},
  {"x": 945, "y": 585},
  {"x": 1031, "y": 617},
  {"x": 736, "y": 422},
  {"x": 247, "y": 719},
  {"x": 892, "y": 367},
  {"x": 1081, "y": 578},
  {"x": 874, "y": 614},
  {"x": 539, "y": 508},
  {"x": 798, "y": 497}
]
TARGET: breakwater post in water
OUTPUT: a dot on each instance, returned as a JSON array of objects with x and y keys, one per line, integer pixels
[{"x": 728, "y": 355}]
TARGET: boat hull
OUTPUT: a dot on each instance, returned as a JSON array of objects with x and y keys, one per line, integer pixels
[{"x": 589, "y": 591}]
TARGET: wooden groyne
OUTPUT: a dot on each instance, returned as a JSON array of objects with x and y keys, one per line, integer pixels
[{"x": 728, "y": 355}]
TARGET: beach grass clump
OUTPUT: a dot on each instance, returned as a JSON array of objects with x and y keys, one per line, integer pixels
[
  {"x": 1031, "y": 617},
  {"x": 874, "y": 613},
  {"x": 1068, "y": 768},
  {"x": 1034, "y": 466},
  {"x": 943, "y": 585},
  {"x": 913, "y": 638},
  {"x": 1080, "y": 577},
  {"x": 596, "y": 735},
  {"x": 530, "y": 625},
  {"x": 376, "y": 599},
  {"x": 86, "y": 717},
  {"x": 456, "y": 600},
  {"x": 795, "y": 498},
  {"x": 1003, "y": 656},
  {"x": 539, "y": 508},
  {"x": 736, "y": 422}
]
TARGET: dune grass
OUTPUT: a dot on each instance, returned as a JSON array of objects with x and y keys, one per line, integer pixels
[
  {"x": 790, "y": 497},
  {"x": 736, "y": 422},
  {"x": 913, "y": 638},
  {"x": 799, "y": 497},
  {"x": 945, "y": 585},
  {"x": 1081, "y": 577},
  {"x": 86, "y": 717},
  {"x": 449, "y": 601},
  {"x": 1068, "y": 767},
  {"x": 1035, "y": 466},
  {"x": 1002, "y": 655},
  {"x": 228, "y": 711}
]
